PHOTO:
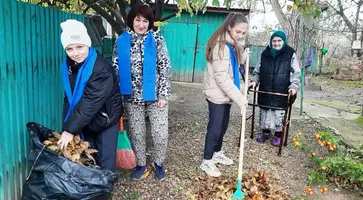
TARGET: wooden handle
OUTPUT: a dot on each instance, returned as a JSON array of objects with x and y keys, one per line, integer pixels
[
  {"x": 121, "y": 125},
  {"x": 243, "y": 129}
]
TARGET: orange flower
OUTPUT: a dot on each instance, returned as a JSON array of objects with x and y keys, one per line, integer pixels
[
  {"x": 324, "y": 190},
  {"x": 296, "y": 144},
  {"x": 331, "y": 148},
  {"x": 313, "y": 154},
  {"x": 308, "y": 190},
  {"x": 317, "y": 136},
  {"x": 294, "y": 139},
  {"x": 299, "y": 132}
]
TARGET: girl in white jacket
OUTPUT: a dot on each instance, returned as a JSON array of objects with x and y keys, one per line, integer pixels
[{"x": 222, "y": 86}]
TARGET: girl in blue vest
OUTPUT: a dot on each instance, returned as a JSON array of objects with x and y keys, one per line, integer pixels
[
  {"x": 278, "y": 72},
  {"x": 92, "y": 104},
  {"x": 142, "y": 62},
  {"x": 224, "y": 54}
]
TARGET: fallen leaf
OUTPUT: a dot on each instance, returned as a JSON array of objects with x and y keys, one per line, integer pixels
[
  {"x": 53, "y": 147},
  {"x": 75, "y": 157},
  {"x": 84, "y": 145},
  {"x": 56, "y": 135},
  {"x": 90, "y": 151},
  {"x": 48, "y": 142},
  {"x": 77, "y": 139}
]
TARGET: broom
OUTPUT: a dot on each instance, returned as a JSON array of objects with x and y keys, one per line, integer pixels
[
  {"x": 238, "y": 194},
  {"x": 125, "y": 156}
]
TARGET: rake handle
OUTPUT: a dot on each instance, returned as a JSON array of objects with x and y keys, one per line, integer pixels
[{"x": 243, "y": 128}]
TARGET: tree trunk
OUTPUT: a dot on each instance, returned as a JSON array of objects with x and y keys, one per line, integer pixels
[{"x": 297, "y": 29}]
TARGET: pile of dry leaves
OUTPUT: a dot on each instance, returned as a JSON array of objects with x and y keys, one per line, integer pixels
[
  {"x": 256, "y": 186},
  {"x": 77, "y": 150}
]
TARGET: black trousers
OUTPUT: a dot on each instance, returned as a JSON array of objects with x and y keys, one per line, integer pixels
[
  {"x": 217, "y": 127},
  {"x": 106, "y": 144}
]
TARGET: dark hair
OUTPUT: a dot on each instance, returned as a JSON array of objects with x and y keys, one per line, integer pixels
[
  {"x": 143, "y": 10},
  {"x": 220, "y": 35}
]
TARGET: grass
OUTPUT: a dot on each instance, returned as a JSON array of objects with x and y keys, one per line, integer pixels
[
  {"x": 338, "y": 105},
  {"x": 323, "y": 80},
  {"x": 359, "y": 121}
]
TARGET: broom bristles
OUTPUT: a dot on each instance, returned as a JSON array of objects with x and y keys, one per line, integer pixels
[{"x": 125, "y": 159}]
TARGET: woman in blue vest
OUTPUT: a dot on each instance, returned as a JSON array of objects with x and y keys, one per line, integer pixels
[
  {"x": 278, "y": 72},
  {"x": 142, "y": 62},
  {"x": 92, "y": 103}
]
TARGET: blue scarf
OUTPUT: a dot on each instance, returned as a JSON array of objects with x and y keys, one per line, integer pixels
[
  {"x": 149, "y": 66},
  {"x": 84, "y": 73},
  {"x": 235, "y": 66}
]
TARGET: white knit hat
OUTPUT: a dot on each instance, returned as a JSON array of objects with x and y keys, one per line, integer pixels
[{"x": 74, "y": 32}]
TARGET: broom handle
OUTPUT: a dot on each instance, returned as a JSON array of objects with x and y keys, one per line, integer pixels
[{"x": 243, "y": 129}]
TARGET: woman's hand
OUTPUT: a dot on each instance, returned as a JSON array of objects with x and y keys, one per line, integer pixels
[
  {"x": 64, "y": 140},
  {"x": 252, "y": 84},
  {"x": 292, "y": 91},
  {"x": 162, "y": 103}
]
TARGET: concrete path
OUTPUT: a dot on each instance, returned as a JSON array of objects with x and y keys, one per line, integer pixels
[{"x": 340, "y": 121}]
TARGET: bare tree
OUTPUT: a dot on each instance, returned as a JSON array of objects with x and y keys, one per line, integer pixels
[
  {"x": 353, "y": 22},
  {"x": 297, "y": 27}
]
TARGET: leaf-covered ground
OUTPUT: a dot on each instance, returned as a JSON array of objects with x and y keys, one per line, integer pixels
[{"x": 188, "y": 116}]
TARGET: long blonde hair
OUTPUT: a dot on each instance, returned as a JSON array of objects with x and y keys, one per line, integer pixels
[{"x": 220, "y": 35}]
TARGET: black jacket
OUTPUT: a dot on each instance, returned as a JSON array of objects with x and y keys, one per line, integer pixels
[
  {"x": 275, "y": 77},
  {"x": 101, "y": 103}
]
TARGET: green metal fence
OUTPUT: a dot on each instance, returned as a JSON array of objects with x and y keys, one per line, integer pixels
[{"x": 30, "y": 83}]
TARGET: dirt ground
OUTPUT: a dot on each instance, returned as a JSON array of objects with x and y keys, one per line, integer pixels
[
  {"x": 349, "y": 92},
  {"x": 188, "y": 116}
]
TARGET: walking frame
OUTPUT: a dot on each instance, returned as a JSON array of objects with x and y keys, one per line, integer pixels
[{"x": 286, "y": 120}]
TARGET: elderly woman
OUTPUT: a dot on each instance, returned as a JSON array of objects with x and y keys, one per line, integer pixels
[
  {"x": 141, "y": 59},
  {"x": 278, "y": 72},
  {"x": 92, "y": 103}
]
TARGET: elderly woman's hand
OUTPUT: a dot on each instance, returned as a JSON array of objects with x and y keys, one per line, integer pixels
[{"x": 292, "y": 91}]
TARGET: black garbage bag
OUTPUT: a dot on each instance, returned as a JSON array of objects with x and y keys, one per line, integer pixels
[{"x": 55, "y": 177}]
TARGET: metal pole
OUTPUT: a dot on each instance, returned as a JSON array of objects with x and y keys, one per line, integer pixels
[
  {"x": 302, "y": 78},
  {"x": 321, "y": 60}
]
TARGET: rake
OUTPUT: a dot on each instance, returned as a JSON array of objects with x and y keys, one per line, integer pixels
[{"x": 238, "y": 194}]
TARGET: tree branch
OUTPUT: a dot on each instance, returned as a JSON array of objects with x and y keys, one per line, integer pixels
[
  {"x": 168, "y": 17},
  {"x": 357, "y": 15},
  {"x": 112, "y": 11},
  {"x": 342, "y": 14},
  {"x": 117, "y": 26},
  {"x": 281, "y": 16},
  {"x": 122, "y": 5}
]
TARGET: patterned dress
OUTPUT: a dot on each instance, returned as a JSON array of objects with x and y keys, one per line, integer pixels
[{"x": 136, "y": 107}]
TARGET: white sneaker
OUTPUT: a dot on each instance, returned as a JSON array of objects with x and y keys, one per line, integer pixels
[
  {"x": 210, "y": 168},
  {"x": 219, "y": 157}
]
